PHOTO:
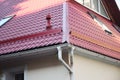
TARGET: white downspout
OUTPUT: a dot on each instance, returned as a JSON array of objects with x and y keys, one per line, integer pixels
[
  {"x": 70, "y": 68},
  {"x": 71, "y": 62},
  {"x": 61, "y": 59}
]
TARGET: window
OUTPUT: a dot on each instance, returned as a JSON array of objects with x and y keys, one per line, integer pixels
[
  {"x": 80, "y": 1},
  {"x": 6, "y": 19},
  {"x": 100, "y": 23},
  {"x": 103, "y": 26},
  {"x": 95, "y": 5},
  {"x": 87, "y": 3},
  {"x": 13, "y": 74},
  {"x": 19, "y": 76}
]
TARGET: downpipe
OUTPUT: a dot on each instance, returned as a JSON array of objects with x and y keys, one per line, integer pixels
[{"x": 69, "y": 66}]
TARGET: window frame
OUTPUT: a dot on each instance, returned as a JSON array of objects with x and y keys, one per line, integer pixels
[
  {"x": 100, "y": 2},
  {"x": 100, "y": 23},
  {"x": 9, "y": 73},
  {"x": 8, "y": 19},
  {"x": 103, "y": 26},
  {"x": 19, "y": 75}
]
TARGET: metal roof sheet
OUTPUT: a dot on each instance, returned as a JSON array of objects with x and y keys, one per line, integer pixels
[
  {"x": 87, "y": 33},
  {"x": 28, "y": 28}
]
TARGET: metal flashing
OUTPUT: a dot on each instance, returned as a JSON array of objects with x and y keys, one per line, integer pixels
[
  {"x": 36, "y": 51},
  {"x": 65, "y": 23}
]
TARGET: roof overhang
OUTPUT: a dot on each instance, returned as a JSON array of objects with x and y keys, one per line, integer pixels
[{"x": 28, "y": 55}]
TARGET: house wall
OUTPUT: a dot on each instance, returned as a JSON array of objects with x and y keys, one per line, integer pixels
[
  {"x": 47, "y": 68},
  {"x": 89, "y": 69},
  {"x": 0, "y": 76},
  {"x": 39, "y": 68}
]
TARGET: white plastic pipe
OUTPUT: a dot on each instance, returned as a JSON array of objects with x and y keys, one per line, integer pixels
[{"x": 61, "y": 59}]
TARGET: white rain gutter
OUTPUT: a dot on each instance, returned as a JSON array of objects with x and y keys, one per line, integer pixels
[
  {"x": 96, "y": 56},
  {"x": 70, "y": 65}
]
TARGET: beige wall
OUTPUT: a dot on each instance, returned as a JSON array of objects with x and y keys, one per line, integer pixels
[
  {"x": 46, "y": 68},
  {"x": 49, "y": 68},
  {"x": 88, "y": 69},
  {"x": 39, "y": 68}
]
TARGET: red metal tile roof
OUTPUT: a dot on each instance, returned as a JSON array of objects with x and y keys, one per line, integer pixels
[
  {"x": 28, "y": 28},
  {"x": 44, "y": 38},
  {"x": 85, "y": 32}
]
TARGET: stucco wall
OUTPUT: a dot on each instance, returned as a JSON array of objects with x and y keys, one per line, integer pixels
[
  {"x": 39, "y": 68},
  {"x": 47, "y": 68},
  {"x": 88, "y": 69}
]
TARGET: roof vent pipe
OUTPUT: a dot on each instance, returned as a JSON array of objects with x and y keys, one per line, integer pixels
[{"x": 48, "y": 18}]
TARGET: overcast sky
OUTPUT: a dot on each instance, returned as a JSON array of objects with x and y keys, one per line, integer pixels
[{"x": 118, "y": 3}]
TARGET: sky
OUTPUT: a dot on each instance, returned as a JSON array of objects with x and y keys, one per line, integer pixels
[{"x": 118, "y": 3}]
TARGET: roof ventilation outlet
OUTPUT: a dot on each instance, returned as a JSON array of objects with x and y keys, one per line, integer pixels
[{"x": 48, "y": 18}]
